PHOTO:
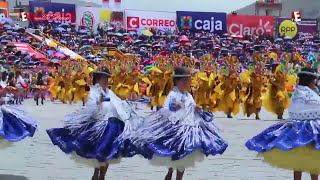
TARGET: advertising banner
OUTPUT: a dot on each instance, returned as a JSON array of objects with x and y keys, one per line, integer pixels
[
  {"x": 25, "y": 48},
  {"x": 305, "y": 30},
  {"x": 250, "y": 25},
  {"x": 47, "y": 12},
  {"x": 4, "y": 13},
  {"x": 147, "y": 19},
  {"x": 212, "y": 22},
  {"x": 91, "y": 17}
]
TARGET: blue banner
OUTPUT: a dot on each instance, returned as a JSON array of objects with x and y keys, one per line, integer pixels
[
  {"x": 196, "y": 22},
  {"x": 47, "y": 12}
]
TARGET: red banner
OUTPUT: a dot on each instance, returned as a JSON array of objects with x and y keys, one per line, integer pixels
[
  {"x": 24, "y": 47},
  {"x": 250, "y": 25}
]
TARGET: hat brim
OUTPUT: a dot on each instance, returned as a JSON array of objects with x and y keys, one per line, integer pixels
[
  {"x": 309, "y": 73},
  {"x": 180, "y": 76},
  {"x": 102, "y": 73}
]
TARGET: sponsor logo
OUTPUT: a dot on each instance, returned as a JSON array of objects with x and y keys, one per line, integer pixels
[
  {"x": 296, "y": 17},
  {"x": 288, "y": 28},
  {"x": 240, "y": 29},
  {"x": 57, "y": 17},
  {"x": 136, "y": 22},
  {"x": 211, "y": 25},
  {"x": 186, "y": 22},
  {"x": 23, "y": 16},
  {"x": 39, "y": 12},
  {"x": 304, "y": 36},
  {"x": 133, "y": 22},
  {"x": 87, "y": 19}
]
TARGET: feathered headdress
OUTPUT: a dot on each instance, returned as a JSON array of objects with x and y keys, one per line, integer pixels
[{"x": 230, "y": 67}]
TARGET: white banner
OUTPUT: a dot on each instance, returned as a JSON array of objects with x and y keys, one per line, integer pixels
[
  {"x": 88, "y": 16},
  {"x": 146, "y": 19},
  {"x": 92, "y": 16}
]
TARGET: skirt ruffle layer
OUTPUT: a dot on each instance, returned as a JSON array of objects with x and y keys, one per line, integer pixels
[
  {"x": 93, "y": 152},
  {"x": 16, "y": 125},
  {"x": 304, "y": 159},
  {"x": 286, "y": 136},
  {"x": 177, "y": 141},
  {"x": 292, "y": 145}
]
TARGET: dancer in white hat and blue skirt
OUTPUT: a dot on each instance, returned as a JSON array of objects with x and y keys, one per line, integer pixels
[
  {"x": 89, "y": 134},
  {"x": 179, "y": 134}
]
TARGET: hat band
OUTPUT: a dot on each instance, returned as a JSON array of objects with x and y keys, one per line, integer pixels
[
  {"x": 308, "y": 73},
  {"x": 181, "y": 75},
  {"x": 100, "y": 72}
]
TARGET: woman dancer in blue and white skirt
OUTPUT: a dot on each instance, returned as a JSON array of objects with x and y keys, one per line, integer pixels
[
  {"x": 89, "y": 134},
  {"x": 15, "y": 124},
  {"x": 180, "y": 133},
  {"x": 295, "y": 144}
]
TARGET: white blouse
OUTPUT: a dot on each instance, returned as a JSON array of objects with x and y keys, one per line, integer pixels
[
  {"x": 20, "y": 81},
  {"x": 114, "y": 108}
]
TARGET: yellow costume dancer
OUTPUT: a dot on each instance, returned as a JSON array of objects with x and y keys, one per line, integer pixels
[
  {"x": 123, "y": 83},
  {"x": 55, "y": 88},
  {"x": 251, "y": 93},
  {"x": 276, "y": 100},
  {"x": 253, "y": 83},
  {"x": 161, "y": 85},
  {"x": 80, "y": 88},
  {"x": 229, "y": 100},
  {"x": 206, "y": 94},
  {"x": 51, "y": 83}
]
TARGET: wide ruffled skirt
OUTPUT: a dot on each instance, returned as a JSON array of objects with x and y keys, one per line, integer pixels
[
  {"x": 15, "y": 125},
  {"x": 89, "y": 147},
  {"x": 177, "y": 145},
  {"x": 293, "y": 145}
]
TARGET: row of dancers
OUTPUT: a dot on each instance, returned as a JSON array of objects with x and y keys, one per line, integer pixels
[
  {"x": 178, "y": 135},
  {"x": 213, "y": 89},
  {"x": 16, "y": 87}
]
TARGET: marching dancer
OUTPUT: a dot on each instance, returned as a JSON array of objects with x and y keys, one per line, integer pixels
[
  {"x": 89, "y": 134},
  {"x": 40, "y": 89},
  {"x": 277, "y": 100},
  {"x": 294, "y": 144},
  {"x": 21, "y": 86},
  {"x": 180, "y": 133}
]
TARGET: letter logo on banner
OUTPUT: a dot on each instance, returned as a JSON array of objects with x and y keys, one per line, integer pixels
[
  {"x": 151, "y": 19},
  {"x": 250, "y": 25},
  {"x": 186, "y": 22},
  {"x": 212, "y": 22},
  {"x": 288, "y": 28},
  {"x": 208, "y": 25},
  {"x": 87, "y": 19},
  {"x": 133, "y": 22},
  {"x": 47, "y": 12},
  {"x": 39, "y": 13}
]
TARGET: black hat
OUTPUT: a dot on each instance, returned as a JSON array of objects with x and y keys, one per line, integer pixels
[
  {"x": 180, "y": 72},
  {"x": 308, "y": 71},
  {"x": 103, "y": 71}
]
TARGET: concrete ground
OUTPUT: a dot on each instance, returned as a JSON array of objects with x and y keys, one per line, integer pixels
[{"x": 37, "y": 159}]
